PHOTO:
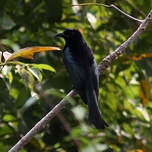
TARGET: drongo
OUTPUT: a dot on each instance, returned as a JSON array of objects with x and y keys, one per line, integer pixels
[{"x": 83, "y": 70}]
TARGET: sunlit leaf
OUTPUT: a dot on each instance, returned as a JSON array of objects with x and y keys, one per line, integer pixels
[
  {"x": 92, "y": 19},
  {"x": 79, "y": 112},
  {"x": 6, "y": 69},
  {"x": 43, "y": 67},
  {"x": 30, "y": 51},
  {"x": 14, "y": 92},
  {"x": 143, "y": 112},
  {"x": 10, "y": 77},
  {"x": 36, "y": 73},
  {"x": 8, "y": 117},
  {"x": 7, "y": 55}
]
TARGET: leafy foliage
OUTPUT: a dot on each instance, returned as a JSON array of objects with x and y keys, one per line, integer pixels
[{"x": 29, "y": 89}]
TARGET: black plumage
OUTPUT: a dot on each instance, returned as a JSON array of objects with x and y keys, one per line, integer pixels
[{"x": 83, "y": 70}]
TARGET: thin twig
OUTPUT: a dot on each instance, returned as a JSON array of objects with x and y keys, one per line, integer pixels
[
  {"x": 67, "y": 127},
  {"x": 104, "y": 64},
  {"x": 86, "y": 4},
  {"x": 111, "y": 6},
  {"x": 129, "y": 16},
  {"x": 135, "y": 8}
]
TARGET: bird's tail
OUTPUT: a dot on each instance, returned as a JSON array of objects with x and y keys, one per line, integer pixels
[{"x": 94, "y": 111}]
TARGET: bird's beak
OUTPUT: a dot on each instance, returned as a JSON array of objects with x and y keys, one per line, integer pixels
[{"x": 60, "y": 35}]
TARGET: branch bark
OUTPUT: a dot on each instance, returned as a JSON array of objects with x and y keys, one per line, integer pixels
[
  {"x": 102, "y": 66},
  {"x": 121, "y": 49}
]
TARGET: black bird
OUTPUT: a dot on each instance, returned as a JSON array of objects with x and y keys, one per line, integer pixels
[{"x": 83, "y": 70}]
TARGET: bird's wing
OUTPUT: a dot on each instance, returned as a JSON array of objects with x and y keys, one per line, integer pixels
[
  {"x": 95, "y": 76},
  {"x": 76, "y": 72}
]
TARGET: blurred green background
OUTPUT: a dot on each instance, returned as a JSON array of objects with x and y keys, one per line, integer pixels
[{"x": 28, "y": 92}]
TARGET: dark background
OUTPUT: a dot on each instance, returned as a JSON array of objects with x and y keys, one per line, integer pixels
[{"x": 27, "y": 93}]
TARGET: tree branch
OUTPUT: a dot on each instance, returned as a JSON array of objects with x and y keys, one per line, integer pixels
[
  {"x": 42, "y": 123},
  {"x": 103, "y": 65},
  {"x": 121, "y": 49}
]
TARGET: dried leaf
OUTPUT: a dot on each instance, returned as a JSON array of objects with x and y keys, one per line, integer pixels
[
  {"x": 141, "y": 56},
  {"x": 30, "y": 51}
]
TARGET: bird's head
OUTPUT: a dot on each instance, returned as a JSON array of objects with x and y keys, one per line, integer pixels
[{"x": 70, "y": 35}]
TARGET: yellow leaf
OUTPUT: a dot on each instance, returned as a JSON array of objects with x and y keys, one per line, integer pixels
[
  {"x": 30, "y": 51},
  {"x": 144, "y": 91}
]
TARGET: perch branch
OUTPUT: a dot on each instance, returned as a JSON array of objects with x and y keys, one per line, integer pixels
[
  {"x": 103, "y": 65},
  {"x": 41, "y": 124}
]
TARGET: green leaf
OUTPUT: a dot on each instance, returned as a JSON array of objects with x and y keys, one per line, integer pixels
[
  {"x": 43, "y": 67},
  {"x": 14, "y": 92},
  {"x": 9, "y": 117},
  {"x": 30, "y": 78},
  {"x": 6, "y": 22},
  {"x": 36, "y": 73}
]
